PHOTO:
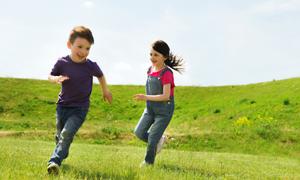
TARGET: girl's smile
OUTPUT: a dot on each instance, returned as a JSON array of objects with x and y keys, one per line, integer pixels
[{"x": 157, "y": 59}]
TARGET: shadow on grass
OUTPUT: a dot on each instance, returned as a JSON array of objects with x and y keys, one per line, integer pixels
[
  {"x": 190, "y": 170},
  {"x": 132, "y": 174},
  {"x": 89, "y": 174}
]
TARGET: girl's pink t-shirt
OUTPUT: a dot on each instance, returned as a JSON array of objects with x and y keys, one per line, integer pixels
[{"x": 166, "y": 78}]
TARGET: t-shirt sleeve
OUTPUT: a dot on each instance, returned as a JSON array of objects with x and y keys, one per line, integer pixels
[
  {"x": 56, "y": 69},
  {"x": 167, "y": 78},
  {"x": 96, "y": 71}
]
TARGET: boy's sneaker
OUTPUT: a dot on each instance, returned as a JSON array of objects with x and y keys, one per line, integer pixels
[
  {"x": 53, "y": 168},
  {"x": 144, "y": 164},
  {"x": 160, "y": 144}
]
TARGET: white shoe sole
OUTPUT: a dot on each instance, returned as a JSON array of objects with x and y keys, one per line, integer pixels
[
  {"x": 160, "y": 144},
  {"x": 53, "y": 169}
]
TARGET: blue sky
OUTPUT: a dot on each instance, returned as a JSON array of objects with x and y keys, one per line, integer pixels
[{"x": 222, "y": 42}]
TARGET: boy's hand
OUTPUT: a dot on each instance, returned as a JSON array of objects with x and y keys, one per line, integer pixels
[
  {"x": 140, "y": 97},
  {"x": 107, "y": 96},
  {"x": 60, "y": 79}
]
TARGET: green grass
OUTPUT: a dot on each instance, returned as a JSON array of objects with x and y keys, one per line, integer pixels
[
  {"x": 24, "y": 159},
  {"x": 256, "y": 121},
  {"x": 205, "y": 118}
]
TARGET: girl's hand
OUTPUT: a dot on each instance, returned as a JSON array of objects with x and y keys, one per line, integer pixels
[
  {"x": 140, "y": 97},
  {"x": 60, "y": 79}
]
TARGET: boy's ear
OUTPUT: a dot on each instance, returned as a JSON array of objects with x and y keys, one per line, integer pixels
[{"x": 69, "y": 44}]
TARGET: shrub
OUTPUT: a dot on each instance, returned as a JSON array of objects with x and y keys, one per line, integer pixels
[
  {"x": 267, "y": 128},
  {"x": 252, "y": 102},
  {"x": 286, "y": 102},
  {"x": 217, "y": 111},
  {"x": 112, "y": 132},
  {"x": 1, "y": 109}
]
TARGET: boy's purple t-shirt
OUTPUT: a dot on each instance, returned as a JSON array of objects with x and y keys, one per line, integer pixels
[{"x": 76, "y": 91}]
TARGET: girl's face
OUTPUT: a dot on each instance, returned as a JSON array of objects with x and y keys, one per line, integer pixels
[
  {"x": 157, "y": 59},
  {"x": 79, "y": 49}
]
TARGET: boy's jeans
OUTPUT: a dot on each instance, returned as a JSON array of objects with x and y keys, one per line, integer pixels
[{"x": 68, "y": 121}]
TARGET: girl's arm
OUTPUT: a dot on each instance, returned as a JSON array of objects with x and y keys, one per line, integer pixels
[
  {"x": 161, "y": 97},
  {"x": 107, "y": 96}
]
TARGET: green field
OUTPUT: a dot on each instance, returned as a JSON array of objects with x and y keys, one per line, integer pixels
[
  {"x": 24, "y": 159},
  {"x": 250, "y": 132}
]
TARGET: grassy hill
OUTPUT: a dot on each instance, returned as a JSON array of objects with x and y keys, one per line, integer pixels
[
  {"x": 230, "y": 132},
  {"x": 258, "y": 118}
]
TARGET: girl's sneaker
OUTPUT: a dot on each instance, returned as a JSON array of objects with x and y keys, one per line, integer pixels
[
  {"x": 53, "y": 168},
  {"x": 160, "y": 144}
]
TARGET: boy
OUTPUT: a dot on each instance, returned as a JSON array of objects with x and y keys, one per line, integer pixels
[{"x": 75, "y": 72}]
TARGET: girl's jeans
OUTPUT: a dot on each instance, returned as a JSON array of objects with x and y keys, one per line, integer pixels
[
  {"x": 68, "y": 121},
  {"x": 152, "y": 125}
]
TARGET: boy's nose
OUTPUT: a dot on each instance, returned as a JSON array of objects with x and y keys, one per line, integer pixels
[{"x": 82, "y": 53}]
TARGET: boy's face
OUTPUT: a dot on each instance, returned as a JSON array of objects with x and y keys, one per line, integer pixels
[{"x": 79, "y": 49}]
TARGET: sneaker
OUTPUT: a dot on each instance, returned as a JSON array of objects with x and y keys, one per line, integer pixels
[
  {"x": 145, "y": 164},
  {"x": 53, "y": 168},
  {"x": 160, "y": 144}
]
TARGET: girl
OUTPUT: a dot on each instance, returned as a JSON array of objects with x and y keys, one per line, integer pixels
[{"x": 159, "y": 99}]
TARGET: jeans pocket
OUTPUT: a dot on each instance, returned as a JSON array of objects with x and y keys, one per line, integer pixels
[{"x": 163, "y": 108}]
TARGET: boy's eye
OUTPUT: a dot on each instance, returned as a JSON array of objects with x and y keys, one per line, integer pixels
[
  {"x": 88, "y": 49},
  {"x": 150, "y": 54},
  {"x": 80, "y": 47}
]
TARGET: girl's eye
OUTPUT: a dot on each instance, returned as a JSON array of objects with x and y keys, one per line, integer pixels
[
  {"x": 88, "y": 49},
  {"x": 80, "y": 47},
  {"x": 150, "y": 54}
]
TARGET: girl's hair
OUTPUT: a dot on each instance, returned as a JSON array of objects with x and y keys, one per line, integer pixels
[
  {"x": 83, "y": 32},
  {"x": 172, "y": 61}
]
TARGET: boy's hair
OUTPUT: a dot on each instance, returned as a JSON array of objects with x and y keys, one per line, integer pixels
[{"x": 83, "y": 32}]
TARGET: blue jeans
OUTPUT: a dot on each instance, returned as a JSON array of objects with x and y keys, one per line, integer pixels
[
  {"x": 68, "y": 121},
  {"x": 151, "y": 126}
]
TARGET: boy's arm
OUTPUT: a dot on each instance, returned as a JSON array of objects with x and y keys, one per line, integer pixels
[
  {"x": 161, "y": 97},
  {"x": 107, "y": 96},
  {"x": 57, "y": 79}
]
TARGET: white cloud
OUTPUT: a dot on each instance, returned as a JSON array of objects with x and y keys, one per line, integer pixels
[
  {"x": 273, "y": 6},
  {"x": 88, "y": 4}
]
